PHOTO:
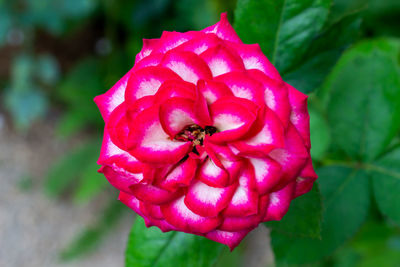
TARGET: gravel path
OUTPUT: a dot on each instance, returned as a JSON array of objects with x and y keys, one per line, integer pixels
[{"x": 33, "y": 227}]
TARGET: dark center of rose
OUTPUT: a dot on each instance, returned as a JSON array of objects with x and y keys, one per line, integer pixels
[{"x": 195, "y": 134}]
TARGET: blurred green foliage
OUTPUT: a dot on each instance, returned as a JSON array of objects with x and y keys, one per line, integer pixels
[{"x": 59, "y": 54}]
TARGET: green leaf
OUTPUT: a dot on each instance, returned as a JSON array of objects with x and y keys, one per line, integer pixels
[
  {"x": 319, "y": 134},
  {"x": 151, "y": 247},
  {"x": 323, "y": 53},
  {"x": 364, "y": 98},
  {"x": 303, "y": 218},
  {"x": 346, "y": 197},
  {"x": 90, "y": 237},
  {"x": 386, "y": 183},
  {"x": 283, "y": 28}
]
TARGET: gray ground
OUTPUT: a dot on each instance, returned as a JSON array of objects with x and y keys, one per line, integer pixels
[{"x": 34, "y": 227}]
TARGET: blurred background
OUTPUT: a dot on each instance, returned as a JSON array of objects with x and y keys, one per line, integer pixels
[{"x": 55, "y": 56}]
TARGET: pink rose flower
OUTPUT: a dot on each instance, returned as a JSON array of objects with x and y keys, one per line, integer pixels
[{"x": 203, "y": 136}]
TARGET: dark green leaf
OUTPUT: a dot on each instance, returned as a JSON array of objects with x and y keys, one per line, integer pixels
[
  {"x": 151, "y": 247},
  {"x": 323, "y": 53},
  {"x": 303, "y": 218},
  {"x": 345, "y": 195},
  {"x": 386, "y": 181},
  {"x": 364, "y": 98},
  {"x": 283, "y": 28},
  {"x": 319, "y": 134}
]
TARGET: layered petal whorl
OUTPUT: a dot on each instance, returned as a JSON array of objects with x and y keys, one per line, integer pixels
[{"x": 203, "y": 136}]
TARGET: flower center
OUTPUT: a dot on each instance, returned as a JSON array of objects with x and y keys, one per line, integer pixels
[{"x": 195, "y": 134}]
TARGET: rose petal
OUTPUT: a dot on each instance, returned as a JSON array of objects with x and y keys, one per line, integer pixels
[
  {"x": 279, "y": 203},
  {"x": 268, "y": 137},
  {"x": 149, "y": 143},
  {"x": 146, "y": 81},
  {"x": 231, "y": 118},
  {"x": 200, "y": 44},
  {"x": 177, "y": 113},
  {"x": 292, "y": 158},
  {"x": 305, "y": 182},
  {"x": 245, "y": 200},
  {"x": 221, "y": 60},
  {"x": 148, "y": 47},
  {"x": 206, "y": 200},
  {"x": 231, "y": 239},
  {"x": 180, "y": 216},
  {"x": 180, "y": 176},
  {"x": 299, "y": 116},
  {"x": 170, "y": 89},
  {"x": 108, "y": 101},
  {"x": 212, "y": 175},
  {"x": 212, "y": 90},
  {"x": 267, "y": 174},
  {"x": 117, "y": 126},
  {"x": 223, "y": 30},
  {"x": 243, "y": 86},
  {"x": 253, "y": 58},
  {"x": 189, "y": 66},
  {"x": 246, "y": 222},
  {"x": 275, "y": 95},
  {"x": 153, "y": 194}
]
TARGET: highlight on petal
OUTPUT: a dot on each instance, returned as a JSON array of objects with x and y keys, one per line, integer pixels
[
  {"x": 180, "y": 216},
  {"x": 189, "y": 66},
  {"x": 149, "y": 143},
  {"x": 206, "y": 200},
  {"x": 220, "y": 60},
  {"x": 224, "y": 30},
  {"x": 146, "y": 81}
]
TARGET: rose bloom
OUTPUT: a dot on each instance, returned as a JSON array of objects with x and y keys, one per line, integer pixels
[{"x": 203, "y": 136}]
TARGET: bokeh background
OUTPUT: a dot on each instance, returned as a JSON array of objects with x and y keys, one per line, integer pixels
[{"x": 55, "y": 56}]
